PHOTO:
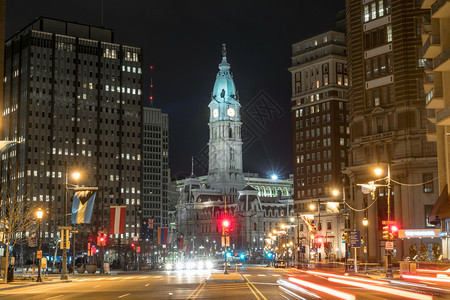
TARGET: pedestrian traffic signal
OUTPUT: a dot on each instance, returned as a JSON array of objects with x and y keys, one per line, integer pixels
[{"x": 133, "y": 245}]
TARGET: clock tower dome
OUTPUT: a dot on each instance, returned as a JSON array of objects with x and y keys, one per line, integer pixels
[{"x": 225, "y": 142}]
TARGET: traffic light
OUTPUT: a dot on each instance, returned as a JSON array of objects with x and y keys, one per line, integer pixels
[
  {"x": 363, "y": 241},
  {"x": 133, "y": 245},
  {"x": 226, "y": 225},
  {"x": 101, "y": 240},
  {"x": 393, "y": 232},
  {"x": 344, "y": 237},
  {"x": 385, "y": 232}
]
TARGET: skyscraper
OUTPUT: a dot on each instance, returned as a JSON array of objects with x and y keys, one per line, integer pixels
[
  {"x": 73, "y": 98},
  {"x": 388, "y": 121},
  {"x": 320, "y": 130},
  {"x": 155, "y": 167}
]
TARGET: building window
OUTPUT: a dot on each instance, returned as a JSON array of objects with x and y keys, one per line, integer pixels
[
  {"x": 428, "y": 183},
  {"x": 328, "y": 225},
  {"x": 428, "y": 209}
]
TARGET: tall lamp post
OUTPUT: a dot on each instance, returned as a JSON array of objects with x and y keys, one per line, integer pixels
[
  {"x": 378, "y": 172},
  {"x": 75, "y": 175},
  {"x": 39, "y": 215}
]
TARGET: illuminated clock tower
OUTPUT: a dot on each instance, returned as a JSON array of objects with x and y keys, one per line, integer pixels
[{"x": 225, "y": 143}]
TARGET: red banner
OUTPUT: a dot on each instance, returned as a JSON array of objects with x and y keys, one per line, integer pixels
[{"x": 117, "y": 220}]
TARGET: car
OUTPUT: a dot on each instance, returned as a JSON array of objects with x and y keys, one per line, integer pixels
[{"x": 280, "y": 264}]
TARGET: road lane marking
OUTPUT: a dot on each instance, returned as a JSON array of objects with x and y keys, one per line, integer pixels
[
  {"x": 157, "y": 277},
  {"x": 276, "y": 275},
  {"x": 83, "y": 279},
  {"x": 124, "y": 295},
  {"x": 96, "y": 279},
  {"x": 253, "y": 292},
  {"x": 246, "y": 275},
  {"x": 201, "y": 283},
  {"x": 204, "y": 283},
  {"x": 254, "y": 287},
  {"x": 143, "y": 277},
  {"x": 147, "y": 284},
  {"x": 96, "y": 286},
  {"x": 261, "y": 275},
  {"x": 114, "y": 278},
  {"x": 128, "y": 277}
]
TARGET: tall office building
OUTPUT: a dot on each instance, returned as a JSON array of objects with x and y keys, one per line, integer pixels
[
  {"x": 436, "y": 45},
  {"x": 320, "y": 131},
  {"x": 155, "y": 167},
  {"x": 73, "y": 98},
  {"x": 388, "y": 122}
]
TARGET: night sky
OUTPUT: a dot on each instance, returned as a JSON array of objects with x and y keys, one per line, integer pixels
[{"x": 182, "y": 40}]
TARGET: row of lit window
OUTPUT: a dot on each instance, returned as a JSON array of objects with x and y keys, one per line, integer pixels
[
  {"x": 376, "y": 9},
  {"x": 312, "y": 157}
]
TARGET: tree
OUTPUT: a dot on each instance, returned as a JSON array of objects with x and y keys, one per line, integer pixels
[
  {"x": 16, "y": 214},
  {"x": 436, "y": 251},
  {"x": 423, "y": 252},
  {"x": 413, "y": 251}
]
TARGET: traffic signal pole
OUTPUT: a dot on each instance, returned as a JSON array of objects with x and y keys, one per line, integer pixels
[{"x": 389, "y": 273}]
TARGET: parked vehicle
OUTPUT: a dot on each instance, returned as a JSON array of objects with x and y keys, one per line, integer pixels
[{"x": 280, "y": 264}]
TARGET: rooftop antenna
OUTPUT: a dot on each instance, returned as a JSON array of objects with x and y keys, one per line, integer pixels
[
  {"x": 224, "y": 50},
  {"x": 192, "y": 167}
]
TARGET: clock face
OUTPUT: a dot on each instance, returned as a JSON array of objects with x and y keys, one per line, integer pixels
[
  {"x": 215, "y": 112},
  {"x": 231, "y": 112}
]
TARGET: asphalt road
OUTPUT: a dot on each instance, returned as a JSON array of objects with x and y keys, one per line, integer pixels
[{"x": 260, "y": 283}]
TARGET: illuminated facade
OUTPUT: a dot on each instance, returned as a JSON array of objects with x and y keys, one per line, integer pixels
[
  {"x": 226, "y": 191},
  {"x": 388, "y": 121},
  {"x": 320, "y": 133},
  {"x": 73, "y": 96}
]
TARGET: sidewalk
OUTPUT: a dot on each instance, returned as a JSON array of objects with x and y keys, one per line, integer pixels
[{"x": 27, "y": 283}]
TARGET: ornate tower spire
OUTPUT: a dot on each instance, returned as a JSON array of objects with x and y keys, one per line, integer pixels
[{"x": 225, "y": 142}]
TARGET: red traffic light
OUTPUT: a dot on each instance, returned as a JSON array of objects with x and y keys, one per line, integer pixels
[
  {"x": 226, "y": 223},
  {"x": 394, "y": 228},
  {"x": 132, "y": 245}
]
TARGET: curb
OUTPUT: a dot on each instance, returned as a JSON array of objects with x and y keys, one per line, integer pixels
[{"x": 32, "y": 284}]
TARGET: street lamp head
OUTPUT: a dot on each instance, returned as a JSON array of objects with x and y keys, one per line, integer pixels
[
  {"x": 291, "y": 243},
  {"x": 274, "y": 231},
  {"x": 378, "y": 171},
  {"x": 274, "y": 177},
  {"x": 283, "y": 226},
  {"x": 335, "y": 192},
  {"x": 76, "y": 175},
  {"x": 312, "y": 206},
  {"x": 292, "y": 219},
  {"x": 39, "y": 214},
  {"x": 365, "y": 222}
]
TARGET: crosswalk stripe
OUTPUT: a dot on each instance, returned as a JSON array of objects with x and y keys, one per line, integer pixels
[
  {"x": 247, "y": 275},
  {"x": 261, "y": 275}
]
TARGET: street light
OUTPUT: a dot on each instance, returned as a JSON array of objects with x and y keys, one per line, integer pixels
[
  {"x": 378, "y": 171},
  {"x": 39, "y": 215},
  {"x": 365, "y": 222},
  {"x": 76, "y": 176}
]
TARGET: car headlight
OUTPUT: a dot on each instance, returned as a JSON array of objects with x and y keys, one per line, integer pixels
[
  {"x": 168, "y": 266},
  {"x": 179, "y": 266},
  {"x": 190, "y": 265},
  {"x": 209, "y": 265},
  {"x": 200, "y": 265}
]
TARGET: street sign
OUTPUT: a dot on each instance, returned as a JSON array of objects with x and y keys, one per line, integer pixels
[
  {"x": 355, "y": 239},
  {"x": 39, "y": 254},
  {"x": 13, "y": 260},
  {"x": 384, "y": 222},
  {"x": 64, "y": 227},
  {"x": 389, "y": 245}
]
